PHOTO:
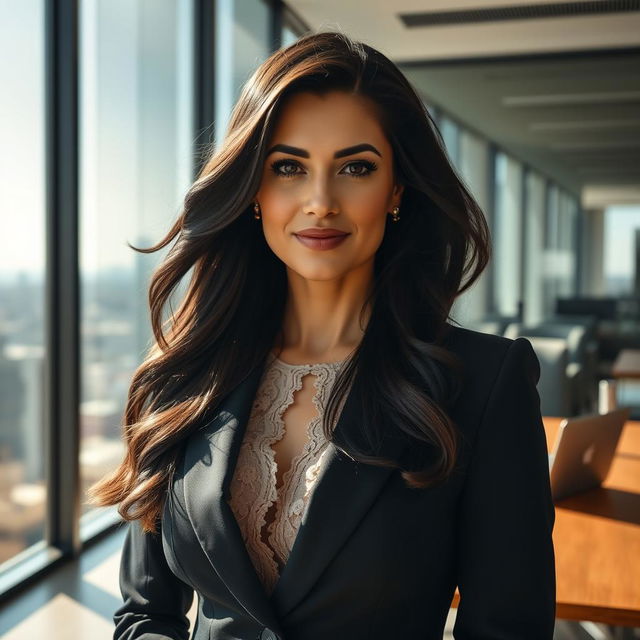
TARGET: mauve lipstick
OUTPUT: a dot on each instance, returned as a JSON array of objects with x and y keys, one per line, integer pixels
[{"x": 321, "y": 239}]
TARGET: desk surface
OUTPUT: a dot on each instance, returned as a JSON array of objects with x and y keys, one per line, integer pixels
[
  {"x": 596, "y": 538},
  {"x": 627, "y": 364},
  {"x": 597, "y": 541}
]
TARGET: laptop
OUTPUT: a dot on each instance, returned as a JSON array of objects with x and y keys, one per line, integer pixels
[{"x": 583, "y": 452}]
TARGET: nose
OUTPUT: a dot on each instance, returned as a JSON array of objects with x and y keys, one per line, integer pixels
[{"x": 321, "y": 199}]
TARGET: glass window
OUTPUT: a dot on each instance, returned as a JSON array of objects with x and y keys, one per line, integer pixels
[
  {"x": 474, "y": 169},
  {"x": 242, "y": 43},
  {"x": 22, "y": 277},
  {"x": 553, "y": 211},
  {"x": 534, "y": 247},
  {"x": 560, "y": 247},
  {"x": 135, "y": 167},
  {"x": 621, "y": 249},
  {"x": 567, "y": 243},
  {"x": 288, "y": 35},
  {"x": 450, "y": 135},
  {"x": 507, "y": 225},
  {"x": 551, "y": 266}
]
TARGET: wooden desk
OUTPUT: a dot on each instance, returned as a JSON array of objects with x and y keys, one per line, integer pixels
[
  {"x": 597, "y": 541},
  {"x": 627, "y": 365},
  {"x": 596, "y": 538}
]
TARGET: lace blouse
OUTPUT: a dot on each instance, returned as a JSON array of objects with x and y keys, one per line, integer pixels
[{"x": 253, "y": 485}]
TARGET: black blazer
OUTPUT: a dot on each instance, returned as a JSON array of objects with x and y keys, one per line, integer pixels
[{"x": 373, "y": 559}]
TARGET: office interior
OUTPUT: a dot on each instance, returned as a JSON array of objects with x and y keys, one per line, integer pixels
[{"x": 109, "y": 107}]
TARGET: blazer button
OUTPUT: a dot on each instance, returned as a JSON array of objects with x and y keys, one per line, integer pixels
[{"x": 267, "y": 634}]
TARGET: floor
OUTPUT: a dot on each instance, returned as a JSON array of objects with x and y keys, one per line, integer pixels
[{"x": 77, "y": 600}]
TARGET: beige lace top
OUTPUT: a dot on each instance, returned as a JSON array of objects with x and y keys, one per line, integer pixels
[{"x": 253, "y": 486}]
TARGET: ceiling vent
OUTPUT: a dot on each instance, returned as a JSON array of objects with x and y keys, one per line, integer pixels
[{"x": 518, "y": 12}]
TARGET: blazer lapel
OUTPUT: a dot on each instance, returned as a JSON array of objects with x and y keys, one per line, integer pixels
[
  {"x": 209, "y": 461},
  {"x": 344, "y": 492}
]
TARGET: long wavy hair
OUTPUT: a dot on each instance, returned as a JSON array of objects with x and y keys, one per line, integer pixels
[{"x": 402, "y": 376}]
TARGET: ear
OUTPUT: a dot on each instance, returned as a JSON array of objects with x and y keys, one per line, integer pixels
[{"x": 398, "y": 190}]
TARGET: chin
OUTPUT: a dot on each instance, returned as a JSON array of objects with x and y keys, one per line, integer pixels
[
  {"x": 320, "y": 274},
  {"x": 322, "y": 277}
]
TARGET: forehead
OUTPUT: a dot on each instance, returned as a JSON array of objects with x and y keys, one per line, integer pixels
[{"x": 332, "y": 120}]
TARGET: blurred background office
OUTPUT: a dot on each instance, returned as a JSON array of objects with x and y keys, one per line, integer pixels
[{"x": 107, "y": 107}]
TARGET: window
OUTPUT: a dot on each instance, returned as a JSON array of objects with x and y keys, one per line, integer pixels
[
  {"x": 288, "y": 36},
  {"x": 534, "y": 247},
  {"x": 621, "y": 249},
  {"x": 474, "y": 159},
  {"x": 559, "y": 276},
  {"x": 22, "y": 278},
  {"x": 450, "y": 134},
  {"x": 135, "y": 167},
  {"x": 242, "y": 43},
  {"x": 507, "y": 225}
]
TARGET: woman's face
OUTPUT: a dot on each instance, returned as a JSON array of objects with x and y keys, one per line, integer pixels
[{"x": 328, "y": 166}]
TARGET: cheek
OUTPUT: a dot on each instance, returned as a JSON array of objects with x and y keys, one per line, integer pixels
[
  {"x": 368, "y": 197},
  {"x": 277, "y": 212},
  {"x": 275, "y": 234},
  {"x": 370, "y": 233},
  {"x": 271, "y": 198},
  {"x": 368, "y": 216}
]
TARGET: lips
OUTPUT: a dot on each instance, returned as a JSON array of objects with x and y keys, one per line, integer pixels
[
  {"x": 322, "y": 243},
  {"x": 321, "y": 233}
]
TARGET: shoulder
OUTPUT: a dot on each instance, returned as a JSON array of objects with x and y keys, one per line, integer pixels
[
  {"x": 486, "y": 358},
  {"x": 475, "y": 347}
]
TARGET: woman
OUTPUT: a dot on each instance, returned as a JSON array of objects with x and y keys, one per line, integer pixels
[{"x": 312, "y": 447}]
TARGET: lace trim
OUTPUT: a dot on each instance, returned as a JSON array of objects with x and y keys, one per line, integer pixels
[{"x": 253, "y": 489}]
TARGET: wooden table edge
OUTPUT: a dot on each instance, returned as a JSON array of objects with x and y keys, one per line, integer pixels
[
  {"x": 622, "y": 617},
  {"x": 590, "y": 613}
]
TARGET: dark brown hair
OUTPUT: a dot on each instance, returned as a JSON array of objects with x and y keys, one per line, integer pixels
[{"x": 401, "y": 374}]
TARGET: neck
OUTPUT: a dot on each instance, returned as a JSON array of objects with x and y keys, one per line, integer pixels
[{"x": 322, "y": 317}]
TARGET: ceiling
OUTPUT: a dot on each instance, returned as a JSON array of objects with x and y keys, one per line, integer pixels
[{"x": 561, "y": 93}]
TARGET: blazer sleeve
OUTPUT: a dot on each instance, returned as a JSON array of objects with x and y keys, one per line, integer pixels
[
  {"x": 506, "y": 562},
  {"x": 156, "y": 601}
]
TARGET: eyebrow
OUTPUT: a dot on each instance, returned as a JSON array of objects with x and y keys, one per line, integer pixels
[{"x": 341, "y": 153}]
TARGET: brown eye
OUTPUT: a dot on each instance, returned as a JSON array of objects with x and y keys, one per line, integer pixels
[
  {"x": 362, "y": 169},
  {"x": 285, "y": 168}
]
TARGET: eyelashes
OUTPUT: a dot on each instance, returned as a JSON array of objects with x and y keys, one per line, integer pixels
[{"x": 364, "y": 168}]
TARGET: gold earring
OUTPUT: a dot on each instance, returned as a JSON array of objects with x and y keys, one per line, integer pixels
[
  {"x": 256, "y": 210},
  {"x": 394, "y": 214}
]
